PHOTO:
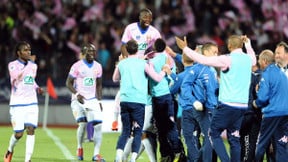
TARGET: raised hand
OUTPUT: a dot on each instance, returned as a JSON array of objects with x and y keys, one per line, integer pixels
[
  {"x": 246, "y": 40},
  {"x": 181, "y": 43}
]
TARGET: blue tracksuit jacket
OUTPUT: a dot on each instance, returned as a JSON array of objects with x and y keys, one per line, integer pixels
[
  {"x": 272, "y": 93},
  {"x": 200, "y": 83}
]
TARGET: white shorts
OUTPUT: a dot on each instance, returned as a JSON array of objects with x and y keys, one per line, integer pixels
[
  {"x": 90, "y": 110},
  {"x": 22, "y": 116}
]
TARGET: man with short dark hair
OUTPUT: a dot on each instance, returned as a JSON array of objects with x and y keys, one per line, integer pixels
[
  {"x": 281, "y": 56},
  {"x": 85, "y": 83},
  {"x": 235, "y": 78},
  {"x": 142, "y": 32},
  {"x": 23, "y": 100},
  {"x": 171, "y": 146},
  {"x": 131, "y": 73},
  {"x": 145, "y": 35}
]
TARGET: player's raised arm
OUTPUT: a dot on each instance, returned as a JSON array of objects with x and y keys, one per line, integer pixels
[{"x": 216, "y": 61}]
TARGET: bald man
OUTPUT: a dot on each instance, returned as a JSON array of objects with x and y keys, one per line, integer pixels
[{"x": 235, "y": 78}]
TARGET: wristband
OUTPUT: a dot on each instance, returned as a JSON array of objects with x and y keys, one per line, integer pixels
[{"x": 76, "y": 94}]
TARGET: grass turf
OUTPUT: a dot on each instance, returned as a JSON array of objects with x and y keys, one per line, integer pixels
[
  {"x": 52, "y": 146},
  {"x": 59, "y": 145}
]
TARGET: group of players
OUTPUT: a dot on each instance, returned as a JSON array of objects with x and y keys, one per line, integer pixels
[
  {"x": 150, "y": 91},
  {"x": 248, "y": 105}
]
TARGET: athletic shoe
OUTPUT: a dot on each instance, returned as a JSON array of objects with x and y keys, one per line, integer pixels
[
  {"x": 98, "y": 158},
  {"x": 80, "y": 153},
  {"x": 8, "y": 156},
  {"x": 115, "y": 126}
]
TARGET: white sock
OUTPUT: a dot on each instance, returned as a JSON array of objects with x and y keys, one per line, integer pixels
[
  {"x": 116, "y": 114},
  {"x": 119, "y": 155},
  {"x": 127, "y": 148},
  {"x": 149, "y": 149},
  {"x": 133, "y": 157},
  {"x": 142, "y": 148},
  {"x": 13, "y": 141},
  {"x": 30, "y": 141},
  {"x": 80, "y": 134},
  {"x": 117, "y": 106},
  {"x": 97, "y": 138}
]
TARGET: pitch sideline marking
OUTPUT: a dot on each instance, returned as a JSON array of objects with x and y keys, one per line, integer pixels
[{"x": 61, "y": 146}]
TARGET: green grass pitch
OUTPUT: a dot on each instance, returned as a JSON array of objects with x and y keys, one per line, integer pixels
[{"x": 59, "y": 145}]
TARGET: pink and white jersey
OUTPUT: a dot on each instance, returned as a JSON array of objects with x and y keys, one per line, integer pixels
[
  {"x": 144, "y": 38},
  {"x": 85, "y": 78},
  {"x": 23, "y": 85}
]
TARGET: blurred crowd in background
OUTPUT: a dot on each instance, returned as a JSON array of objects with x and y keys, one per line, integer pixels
[{"x": 57, "y": 28}]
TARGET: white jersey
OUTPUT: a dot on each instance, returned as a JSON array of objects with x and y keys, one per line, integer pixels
[
  {"x": 23, "y": 85},
  {"x": 144, "y": 38},
  {"x": 85, "y": 78}
]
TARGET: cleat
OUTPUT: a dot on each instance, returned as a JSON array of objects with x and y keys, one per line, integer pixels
[
  {"x": 115, "y": 126},
  {"x": 98, "y": 158},
  {"x": 8, "y": 156},
  {"x": 80, "y": 154}
]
